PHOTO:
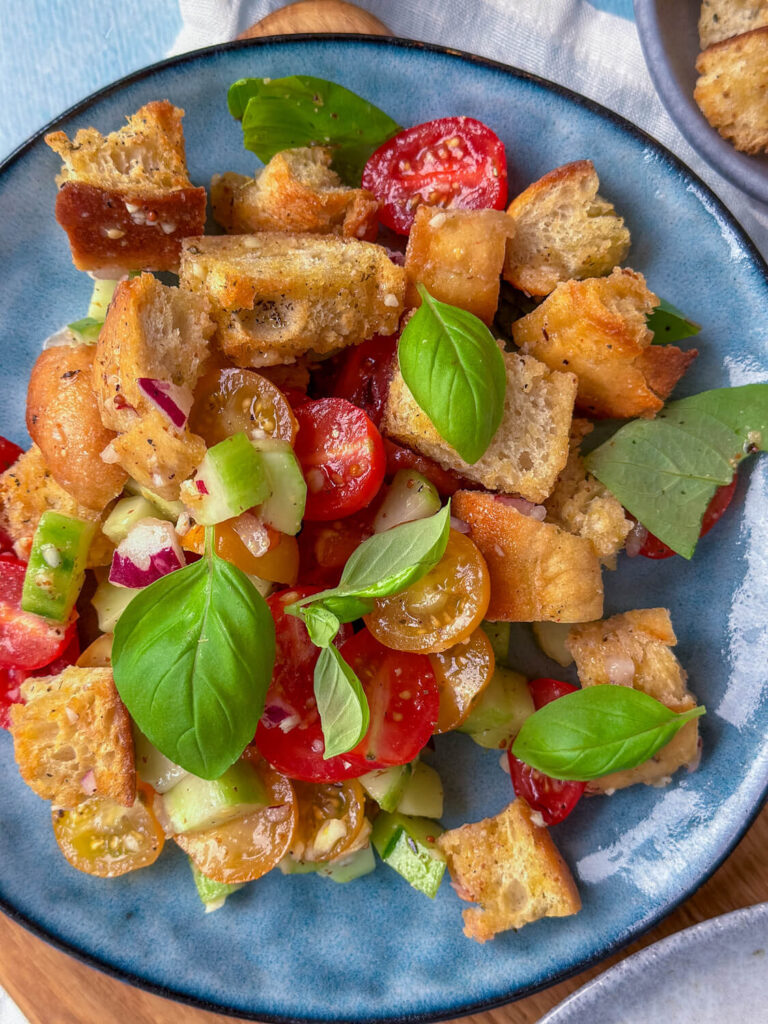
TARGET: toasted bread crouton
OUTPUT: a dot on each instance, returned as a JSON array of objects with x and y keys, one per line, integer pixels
[
  {"x": 721, "y": 19},
  {"x": 511, "y": 867},
  {"x": 156, "y": 457},
  {"x": 73, "y": 738},
  {"x": 732, "y": 89},
  {"x": 125, "y": 200},
  {"x": 277, "y": 296},
  {"x": 458, "y": 255},
  {"x": 597, "y": 330},
  {"x": 63, "y": 420},
  {"x": 563, "y": 231},
  {"x": 528, "y": 450},
  {"x": 581, "y": 505},
  {"x": 539, "y": 573},
  {"x": 27, "y": 489},
  {"x": 296, "y": 192},
  {"x": 634, "y": 649}
]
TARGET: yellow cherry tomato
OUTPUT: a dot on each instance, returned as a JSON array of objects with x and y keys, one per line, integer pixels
[
  {"x": 229, "y": 400},
  {"x": 439, "y": 610},
  {"x": 98, "y": 654},
  {"x": 279, "y": 564},
  {"x": 462, "y": 673},
  {"x": 331, "y": 817}
]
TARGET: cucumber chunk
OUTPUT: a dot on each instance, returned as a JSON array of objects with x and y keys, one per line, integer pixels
[
  {"x": 110, "y": 602},
  {"x": 101, "y": 296},
  {"x": 231, "y": 479},
  {"x": 152, "y": 766},
  {"x": 410, "y": 497},
  {"x": 423, "y": 793},
  {"x": 125, "y": 515},
  {"x": 212, "y": 894},
  {"x": 347, "y": 869},
  {"x": 551, "y": 637},
  {"x": 386, "y": 785},
  {"x": 195, "y": 804},
  {"x": 284, "y": 508},
  {"x": 502, "y": 708},
  {"x": 498, "y": 634},
  {"x": 165, "y": 509},
  {"x": 56, "y": 566},
  {"x": 408, "y": 846},
  {"x": 290, "y": 866}
]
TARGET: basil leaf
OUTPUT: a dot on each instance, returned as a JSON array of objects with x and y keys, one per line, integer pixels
[
  {"x": 347, "y": 609},
  {"x": 342, "y": 704},
  {"x": 669, "y": 324},
  {"x": 597, "y": 731},
  {"x": 322, "y": 625},
  {"x": 665, "y": 471},
  {"x": 192, "y": 659},
  {"x": 283, "y": 113},
  {"x": 456, "y": 373}
]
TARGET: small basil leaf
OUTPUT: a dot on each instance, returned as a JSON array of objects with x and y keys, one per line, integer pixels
[
  {"x": 342, "y": 704},
  {"x": 322, "y": 625},
  {"x": 300, "y": 110},
  {"x": 669, "y": 324},
  {"x": 665, "y": 471},
  {"x": 597, "y": 731},
  {"x": 456, "y": 373},
  {"x": 192, "y": 659},
  {"x": 347, "y": 609}
]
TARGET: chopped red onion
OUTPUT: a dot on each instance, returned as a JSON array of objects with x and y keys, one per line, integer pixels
[
  {"x": 398, "y": 258},
  {"x": 526, "y": 508},
  {"x": 88, "y": 783},
  {"x": 459, "y": 525},
  {"x": 150, "y": 550},
  {"x": 620, "y": 669},
  {"x": 253, "y": 533},
  {"x": 109, "y": 455},
  {"x": 200, "y": 485},
  {"x": 274, "y": 715},
  {"x": 636, "y": 537},
  {"x": 173, "y": 401}
]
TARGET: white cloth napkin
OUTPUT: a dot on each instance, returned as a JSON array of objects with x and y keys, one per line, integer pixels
[
  {"x": 568, "y": 41},
  {"x": 9, "y": 1011}
]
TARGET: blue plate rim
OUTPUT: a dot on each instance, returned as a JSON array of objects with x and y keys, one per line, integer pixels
[{"x": 714, "y": 201}]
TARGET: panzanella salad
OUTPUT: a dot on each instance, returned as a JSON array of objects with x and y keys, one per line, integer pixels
[{"x": 277, "y": 517}]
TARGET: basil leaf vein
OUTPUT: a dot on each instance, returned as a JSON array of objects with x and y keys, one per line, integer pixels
[
  {"x": 669, "y": 324},
  {"x": 456, "y": 373},
  {"x": 192, "y": 659},
  {"x": 343, "y": 707},
  {"x": 597, "y": 731}
]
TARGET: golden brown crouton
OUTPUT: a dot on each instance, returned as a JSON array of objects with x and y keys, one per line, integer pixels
[
  {"x": 528, "y": 450},
  {"x": 63, "y": 420},
  {"x": 581, "y": 505},
  {"x": 156, "y": 457},
  {"x": 72, "y": 738},
  {"x": 277, "y": 296},
  {"x": 732, "y": 89},
  {"x": 511, "y": 867},
  {"x": 634, "y": 649},
  {"x": 458, "y": 255},
  {"x": 296, "y": 192},
  {"x": 539, "y": 573},
  {"x": 563, "y": 231},
  {"x": 27, "y": 489},
  {"x": 597, "y": 330},
  {"x": 721, "y": 19},
  {"x": 125, "y": 199}
]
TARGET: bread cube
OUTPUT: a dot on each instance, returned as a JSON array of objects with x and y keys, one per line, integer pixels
[
  {"x": 721, "y": 19},
  {"x": 732, "y": 89}
]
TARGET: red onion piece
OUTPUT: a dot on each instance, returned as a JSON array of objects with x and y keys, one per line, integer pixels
[
  {"x": 620, "y": 669},
  {"x": 253, "y": 533},
  {"x": 398, "y": 258},
  {"x": 200, "y": 485},
  {"x": 636, "y": 537},
  {"x": 459, "y": 525},
  {"x": 88, "y": 783},
  {"x": 173, "y": 401},
  {"x": 150, "y": 550},
  {"x": 274, "y": 715},
  {"x": 526, "y": 508}
]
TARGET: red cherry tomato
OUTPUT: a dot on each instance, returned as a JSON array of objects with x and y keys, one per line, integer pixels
[
  {"x": 10, "y": 686},
  {"x": 721, "y": 499},
  {"x": 324, "y": 548},
  {"x": 554, "y": 799},
  {"x": 454, "y": 162},
  {"x": 341, "y": 455},
  {"x": 9, "y": 452},
  {"x": 26, "y": 641},
  {"x": 365, "y": 373},
  {"x": 446, "y": 482}
]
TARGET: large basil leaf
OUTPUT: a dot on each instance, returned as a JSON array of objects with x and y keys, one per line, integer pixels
[
  {"x": 456, "y": 373},
  {"x": 300, "y": 110},
  {"x": 192, "y": 660},
  {"x": 342, "y": 704},
  {"x": 665, "y": 471},
  {"x": 597, "y": 731},
  {"x": 669, "y": 324}
]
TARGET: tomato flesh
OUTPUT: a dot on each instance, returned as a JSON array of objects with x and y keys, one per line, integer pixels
[
  {"x": 231, "y": 399},
  {"x": 341, "y": 455},
  {"x": 446, "y": 482},
  {"x": 26, "y": 641},
  {"x": 462, "y": 673},
  {"x": 365, "y": 373},
  {"x": 9, "y": 452},
  {"x": 721, "y": 499},
  {"x": 342, "y": 802},
  {"x": 554, "y": 799},
  {"x": 453, "y": 162}
]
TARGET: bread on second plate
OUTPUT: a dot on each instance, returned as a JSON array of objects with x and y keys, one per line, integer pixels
[
  {"x": 721, "y": 19},
  {"x": 732, "y": 90}
]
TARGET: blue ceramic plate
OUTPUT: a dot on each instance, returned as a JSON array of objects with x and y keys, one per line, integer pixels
[{"x": 304, "y": 948}]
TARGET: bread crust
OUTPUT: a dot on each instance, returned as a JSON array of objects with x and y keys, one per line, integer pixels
[
  {"x": 722, "y": 19},
  {"x": 732, "y": 89}
]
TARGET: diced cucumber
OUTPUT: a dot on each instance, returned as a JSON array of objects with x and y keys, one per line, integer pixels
[
  {"x": 212, "y": 894},
  {"x": 502, "y": 708},
  {"x": 124, "y": 516},
  {"x": 86, "y": 331},
  {"x": 386, "y": 785},
  {"x": 152, "y": 766},
  {"x": 170, "y": 510},
  {"x": 231, "y": 479},
  {"x": 498, "y": 634},
  {"x": 290, "y": 866},
  {"x": 410, "y": 497},
  {"x": 551, "y": 637},
  {"x": 284, "y": 508},
  {"x": 408, "y": 846},
  {"x": 56, "y": 565},
  {"x": 110, "y": 602},
  {"x": 347, "y": 869},
  {"x": 101, "y": 296},
  {"x": 264, "y": 587},
  {"x": 195, "y": 804},
  {"x": 423, "y": 793}
]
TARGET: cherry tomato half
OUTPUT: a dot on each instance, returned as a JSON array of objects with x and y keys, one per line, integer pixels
[
  {"x": 331, "y": 817},
  {"x": 554, "y": 799},
  {"x": 446, "y": 482},
  {"x": 454, "y": 162},
  {"x": 26, "y": 641},
  {"x": 230, "y": 400},
  {"x": 364, "y": 375},
  {"x": 9, "y": 452},
  {"x": 721, "y": 499},
  {"x": 341, "y": 456},
  {"x": 325, "y": 548},
  {"x": 10, "y": 692},
  {"x": 462, "y": 673},
  {"x": 439, "y": 610}
]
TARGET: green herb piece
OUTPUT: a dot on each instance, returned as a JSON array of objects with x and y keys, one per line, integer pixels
[
  {"x": 192, "y": 660},
  {"x": 86, "y": 330},
  {"x": 669, "y": 324},
  {"x": 342, "y": 704},
  {"x": 322, "y": 625},
  {"x": 56, "y": 565},
  {"x": 456, "y": 373},
  {"x": 665, "y": 471},
  {"x": 597, "y": 731},
  {"x": 300, "y": 110}
]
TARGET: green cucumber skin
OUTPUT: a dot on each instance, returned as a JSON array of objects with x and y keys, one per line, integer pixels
[
  {"x": 502, "y": 708},
  {"x": 212, "y": 894},
  {"x": 283, "y": 510},
  {"x": 408, "y": 846},
  {"x": 423, "y": 794},
  {"x": 56, "y": 566},
  {"x": 346, "y": 869},
  {"x": 386, "y": 785},
  {"x": 126, "y": 514},
  {"x": 410, "y": 497},
  {"x": 233, "y": 474},
  {"x": 195, "y": 804}
]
